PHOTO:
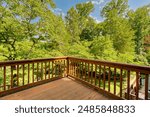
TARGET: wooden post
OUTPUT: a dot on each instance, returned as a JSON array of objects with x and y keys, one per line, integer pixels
[
  {"x": 146, "y": 86},
  {"x": 17, "y": 75},
  {"x": 68, "y": 68},
  {"x": 115, "y": 81},
  {"x": 104, "y": 77},
  {"x": 95, "y": 73},
  {"x": 137, "y": 85},
  {"x": 23, "y": 74},
  {"x": 109, "y": 74},
  {"x": 33, "y": 73},
  {"x": 4, "y": 78},
  {"x": 28, "y": 73},
  {"x": 128, "y": 84},
  {"x": 120, "y": 82},
  {"x": 11, "y": 76}
]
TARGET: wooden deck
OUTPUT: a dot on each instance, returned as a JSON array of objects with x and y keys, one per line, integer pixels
[{"x": 62, "y": 89}]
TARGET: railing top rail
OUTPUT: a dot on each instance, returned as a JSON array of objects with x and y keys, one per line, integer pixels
[
  {"x": 15, "y": 62},
  {"x": 145, "y": 69}
]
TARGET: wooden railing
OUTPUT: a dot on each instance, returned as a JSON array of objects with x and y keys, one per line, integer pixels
[
  {"x": 22, "y": 74},
  {"x": 120, "y": 81}
]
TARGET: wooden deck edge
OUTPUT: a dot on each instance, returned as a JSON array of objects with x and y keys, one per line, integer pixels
[
  {"x": 21, "y": 88},
  {"x": 101, "y": 91}
]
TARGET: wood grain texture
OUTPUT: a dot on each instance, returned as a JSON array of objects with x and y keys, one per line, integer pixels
[{"x": 62, "y": 89}]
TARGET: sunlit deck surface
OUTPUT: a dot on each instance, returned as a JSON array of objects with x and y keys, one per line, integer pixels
[{"x": 62, "y": 89}]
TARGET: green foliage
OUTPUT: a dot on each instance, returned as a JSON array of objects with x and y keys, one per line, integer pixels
[
  {"x": 139, "y": 21},
  {"x": 90, "y": 31},
  {"x": 115, "y": 8},
  {"x": 25, "y": 24},
  {"x": 127, "y": 57},
  {"x": 76, "y": 20},
  {"x": 117, "y": 26},
  {"x": 30, "y": 29},
  {"x": 102, "y": 48},
  {"x": 80, "y": 50}
]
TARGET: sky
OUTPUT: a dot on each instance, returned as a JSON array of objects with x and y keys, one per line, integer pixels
[{"x": 62, "y": 6}]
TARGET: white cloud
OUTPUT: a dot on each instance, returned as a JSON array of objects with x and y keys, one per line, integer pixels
[
  {"x": 97, "y": 2},
  {"x": 57, "y": 10}
]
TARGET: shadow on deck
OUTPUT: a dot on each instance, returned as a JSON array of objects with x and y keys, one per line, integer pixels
[{"x": 62, "y": 89}]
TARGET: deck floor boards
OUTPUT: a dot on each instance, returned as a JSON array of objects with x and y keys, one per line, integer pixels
[{"x": 62, "y": 89}]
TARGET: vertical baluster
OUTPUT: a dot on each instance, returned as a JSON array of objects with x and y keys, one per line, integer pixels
[
  {"x": 49, "y": 70},
  {"x": 4, "y": 78},
  {"x": 59, "y": 68},
  {"x": 77, "y": 68},
  {"x": 55, "y": 68},
  {"x": 85, "y": 73},
  {"x": 63, "y": 69},
  {"x": 109, "y": 75},
  {"x": 79, "y": 65},
  {"x": 95, "y": 73},
  {"x": 45, "y": 70},
  {"x": 88, "y": 72},
  {"x": 146, "y": 86},
  {"x": 128, "y": 84},
  {"x": 32, "y": 72},
  {"x": 115, "y": 81},
  {"x": 17, "y": 75},
  {"x": 23, "y": 74},
  {"x": 137, "y": 85},
  {"x": 37, "y": 73},
  {"x": 99, "y": 75},
  {"x": 120, "y": 82},
  {"x": 59, "y": 72},
  {"x": 11, "y": 76},
  {"x": 52, "y": 69},
  {"x": 69, "y": 66},
  {"x": 73, "y": 67},
  {"x": 104, "y": 77},
  {"x": 42, "y": 71},
  {"x": 28, "y": 73},
  {"x": 92, "y": 73},
  {"x": 82, "y": 69}
]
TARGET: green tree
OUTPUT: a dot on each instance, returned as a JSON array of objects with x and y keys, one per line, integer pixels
[
  {"x": 77, "y": 18},
  {"x": 90, "y": 31},
  {"x": 139, "y": 21},
  {"x": 30, "y": 22},
  {"x": 102, "y": 48},
  {"x": 116, "y": 25}
]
